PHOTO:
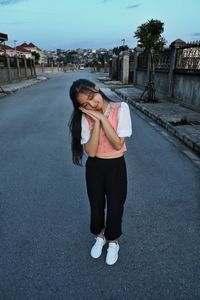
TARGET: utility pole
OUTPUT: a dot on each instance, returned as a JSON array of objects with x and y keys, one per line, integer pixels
[
  {"x": 123, "y": 40},
  {"x": 15, "y": 41}
]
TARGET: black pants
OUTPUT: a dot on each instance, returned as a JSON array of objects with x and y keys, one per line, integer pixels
[{"x": 106, "y": 181}]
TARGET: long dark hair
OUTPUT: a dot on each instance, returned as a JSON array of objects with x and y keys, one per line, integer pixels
[{"x": 80, "y": 85}]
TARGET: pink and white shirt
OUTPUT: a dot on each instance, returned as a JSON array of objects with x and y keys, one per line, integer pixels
[{"x": 118, "y": 115}]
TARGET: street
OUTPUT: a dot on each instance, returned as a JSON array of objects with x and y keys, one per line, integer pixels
[{"x": 44, "y": 211}]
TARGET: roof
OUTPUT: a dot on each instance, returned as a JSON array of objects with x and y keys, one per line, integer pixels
[
  {"x": 23, "y": 45},
  {"x": 22, "y": 49},
  {"x": 6, "y": 47},
  {"x": 30, "y": 45}
]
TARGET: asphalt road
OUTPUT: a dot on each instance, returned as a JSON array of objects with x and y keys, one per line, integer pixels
[{"x": 44, "y": 212}]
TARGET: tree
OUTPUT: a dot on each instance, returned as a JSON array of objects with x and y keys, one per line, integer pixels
[
  {"x": 36, "y": 55},
  {"x": 117, "y": 50},
  {"x": 149, "y": 36}
]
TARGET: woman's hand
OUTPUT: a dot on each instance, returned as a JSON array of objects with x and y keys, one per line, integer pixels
[
  {"x": 92, "y": 145},
  {"x": 94, "y": 114}
]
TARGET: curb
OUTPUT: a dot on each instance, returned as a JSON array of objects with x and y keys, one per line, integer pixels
[
  {"x": 22, "y": 85},
  {"x": 169, "y": 127}
]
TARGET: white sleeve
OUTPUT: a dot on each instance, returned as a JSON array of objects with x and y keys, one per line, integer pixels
[
  {"x": 85, "y": 130},
  {"x": 124, "y": 128}
]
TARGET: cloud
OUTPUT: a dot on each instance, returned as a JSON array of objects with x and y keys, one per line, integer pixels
[
  {"x": 133, "y": 6},
  {"x": 105, "y": 1},
  {"x": 16, "y": 23},
  {"x": 196, "y": 33},
  {"x": 7, "y": 2}
]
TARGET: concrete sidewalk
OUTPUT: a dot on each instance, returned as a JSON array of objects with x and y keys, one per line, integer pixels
[
  {"x": 182, "y": 122},
  {"x": 13, "y": 87}
]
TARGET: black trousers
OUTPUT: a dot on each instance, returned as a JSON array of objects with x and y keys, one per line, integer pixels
[{"x": 106, "y": 181}]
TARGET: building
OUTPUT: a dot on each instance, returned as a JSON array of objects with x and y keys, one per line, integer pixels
[
  {"x": 5, "y": 49},
  {"x": 32, "y": 48}
]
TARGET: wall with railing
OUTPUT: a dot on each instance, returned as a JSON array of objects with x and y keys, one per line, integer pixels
[
  {"x": 177, "y": 71},
  {"x": 15, "y": 69}
]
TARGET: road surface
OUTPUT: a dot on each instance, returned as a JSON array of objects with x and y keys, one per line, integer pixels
[{"x": 44, "y": 211}]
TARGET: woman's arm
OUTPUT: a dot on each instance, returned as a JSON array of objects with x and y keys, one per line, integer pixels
[
  {"x": 116, "y": 142},
  {"x": 124, "y": 127},
  {"x": 91, "y": 146}
]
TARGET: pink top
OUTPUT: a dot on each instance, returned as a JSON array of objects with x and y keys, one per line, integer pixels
[{"x": 105, "y": 149}]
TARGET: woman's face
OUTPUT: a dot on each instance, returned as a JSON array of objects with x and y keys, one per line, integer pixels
[{"x": 91, "y": 100}]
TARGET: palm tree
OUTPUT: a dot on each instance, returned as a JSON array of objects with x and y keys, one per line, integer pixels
[{"x": 149, "y": 36}]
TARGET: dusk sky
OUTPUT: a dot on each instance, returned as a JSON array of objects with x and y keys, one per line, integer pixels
[{"x": 94, "y": 24}]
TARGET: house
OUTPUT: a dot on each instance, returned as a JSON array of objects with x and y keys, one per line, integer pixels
[
  {"x": 5, "y": 49},
  {"x": 33, "y": 48},
  {"x": 20, "y": 51},
  {"x": 24, "y": 50}
]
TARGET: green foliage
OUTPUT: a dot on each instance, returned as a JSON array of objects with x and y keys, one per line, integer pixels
[
  {"x": 123, "y": 47},
  {"x": 149, "y": 35},
  {"x": 117, "y": 50},
  {"x": 36, "y": 55}
]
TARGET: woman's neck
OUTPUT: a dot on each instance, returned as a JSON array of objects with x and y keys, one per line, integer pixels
[{"x": 105, "y": 105}]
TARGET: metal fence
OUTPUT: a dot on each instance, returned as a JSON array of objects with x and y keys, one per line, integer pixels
[
  {"x": 163, "y": 59},
  {"x": 189, "y": 57}
]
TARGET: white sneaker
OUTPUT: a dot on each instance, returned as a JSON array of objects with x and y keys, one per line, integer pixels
[
  {"x": 97, "y": 248},
  {"x": 112, "y": 253}
]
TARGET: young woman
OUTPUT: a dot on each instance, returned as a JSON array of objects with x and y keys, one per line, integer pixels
[{"x": 99, "y": 127}]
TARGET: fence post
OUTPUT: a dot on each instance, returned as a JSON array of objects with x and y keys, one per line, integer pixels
[
  {"x": 105, "y": 66},
  {"x": 120, "y": 67},
  {"x": 8, "y": 67},
  {"x": 18, "y": 67},
  {"x": 110, "y": 68},
  {"x": 114, "y": 67},
  {"x": 174, "y": 46},
  {"x": 125, "y": 67},
  {"x": 25, "y": 66},
  {"x": 137, "y": 51},
  {"x": 34, "y": 69}
]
